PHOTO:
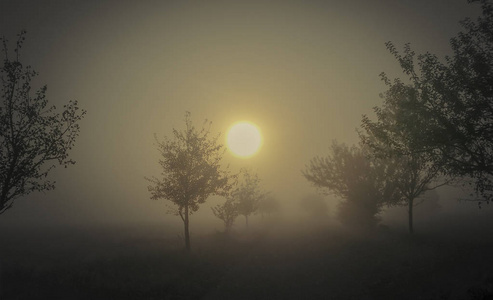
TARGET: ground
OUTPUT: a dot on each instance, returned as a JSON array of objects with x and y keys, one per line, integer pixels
[{"x": 273, "y": 263}]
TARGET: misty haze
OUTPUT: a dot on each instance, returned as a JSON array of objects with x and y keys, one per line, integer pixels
[{"x": 246, "y": 149}]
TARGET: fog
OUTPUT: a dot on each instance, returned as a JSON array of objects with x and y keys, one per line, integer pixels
[{"x": 303, "y": 71}]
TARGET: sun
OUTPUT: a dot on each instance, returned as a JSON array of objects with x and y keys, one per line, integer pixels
[{"x": 244, "y": 139}]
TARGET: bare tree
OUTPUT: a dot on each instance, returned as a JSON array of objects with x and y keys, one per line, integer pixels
[
  {"x": 33, "y": 136},
  {"x": 191, "y": 171}
]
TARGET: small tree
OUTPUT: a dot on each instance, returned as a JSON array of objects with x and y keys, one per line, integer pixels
[
  {"x": 191, "y": 171},
  {"x": 227, "y": 212},
  {"x": 363, "y": 184},
  {"x": 33, "y": 136},
  {"x": 248, "y": 194}
]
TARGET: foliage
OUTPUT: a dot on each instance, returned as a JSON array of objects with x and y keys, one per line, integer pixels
[
  {"x": 361, "y": 182},
  {"x": 465, "y": 100},
  {"x": 248, "y": 194},
  {"x": 449, "y": 103},
  {"x": 34, "y": 137},
  {"x": 416, "y": 170},
  {"x": 227, "y": 212},
  {"x": 191, "y": 171}
]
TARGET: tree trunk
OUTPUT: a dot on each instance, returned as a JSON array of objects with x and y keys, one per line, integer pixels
[
  {"x": 246, "y": 221},
  {"x": 410, "y": 212},
  {"x": 187, "y": 234}
]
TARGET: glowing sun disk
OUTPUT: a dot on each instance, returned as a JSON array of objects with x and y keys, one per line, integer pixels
[{"x": 244, "y": 139}]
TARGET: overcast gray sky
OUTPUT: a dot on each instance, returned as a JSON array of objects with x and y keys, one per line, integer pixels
[{"x": 303, "y": 71}]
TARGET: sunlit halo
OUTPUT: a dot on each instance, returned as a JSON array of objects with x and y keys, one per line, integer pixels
[{"x": 244, "y": 139}]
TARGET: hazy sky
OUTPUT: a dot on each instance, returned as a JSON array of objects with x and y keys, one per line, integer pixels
[{"x": 303, "y": 71}]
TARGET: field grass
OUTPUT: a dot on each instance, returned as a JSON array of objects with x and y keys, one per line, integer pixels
[{"x": 282, "y": 263}]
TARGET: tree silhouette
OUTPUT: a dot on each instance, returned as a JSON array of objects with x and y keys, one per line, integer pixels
[
  {"x": 191, "y": 171},
  {"x": 226, "y": 212},
  {"x": 248, "y": 194},
  {"x": 453, "y": 102},
  {"x": 33, "y": 136},
  {"x": 364, "y": 185},
  {"x": 416, "y": 171}
]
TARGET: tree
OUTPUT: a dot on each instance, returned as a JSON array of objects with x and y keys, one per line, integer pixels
[
  {"x": 364, "y": 185},
  {"x": 464, "y": 101},
  {"x": 33, "y": 136},
  {"x": 191, "y": 171},
  {"x": 416, "y": 171},
  {"x": 454, "y": 100},
  {"x": 248, "y": 194},
  {"x": 227, "y": 212}
]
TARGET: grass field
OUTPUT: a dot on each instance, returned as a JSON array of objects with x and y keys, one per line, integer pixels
[{"x": 280, "y": 263}]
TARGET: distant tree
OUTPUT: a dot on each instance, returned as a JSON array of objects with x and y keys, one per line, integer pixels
[
  {"x": 226, "y": 212},
  {"x": 268, "y": 205},
  {"x": 314, "y": 205},
  {"x": 34, "y": 138},
  {"x": 453, "y": 101},
  {"x": 191, "y": 171},
  {"x": 364, "y": 185},
  {"x": 248, "y": 194}
]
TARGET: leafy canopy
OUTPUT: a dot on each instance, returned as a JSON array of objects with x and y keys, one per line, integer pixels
[
  {"x": 363, "y": 183},
  {"x": 248, "y": 193},
  {"x": 191, "y": 169},
  {"x": 446, "y": 108},
  {"x": 34, "y": 137}
]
